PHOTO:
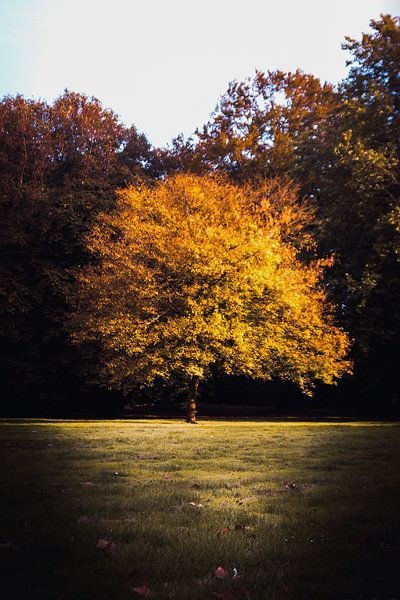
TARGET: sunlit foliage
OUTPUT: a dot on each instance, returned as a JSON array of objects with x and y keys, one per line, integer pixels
[{"x": 194, "y": 275}]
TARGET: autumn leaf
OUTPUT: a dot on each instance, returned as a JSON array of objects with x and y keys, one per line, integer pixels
[
  {"x": 225, "y": 530},
  {"x": 82, "y": 519},
  {"x": 106, "y": 547},
  {"x": 6, "y": 545},
  {"x": 145, "y": 592},
  {"x": 220, "y": 573}
]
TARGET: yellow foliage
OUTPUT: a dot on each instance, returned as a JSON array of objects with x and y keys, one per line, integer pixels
[{"x": 198, "y": 273}]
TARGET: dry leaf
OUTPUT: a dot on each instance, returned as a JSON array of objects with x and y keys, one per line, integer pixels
[
  {"x": 226, "y": 530},
  {"x": 388, "y": 546},
  {"x": 145, "y": 591},
  {"x": 82, "y": 519},
  {"x": 6, "y": 545},
  {"x": 106, "y": 546},
  {"x": 220, "y": 573}
]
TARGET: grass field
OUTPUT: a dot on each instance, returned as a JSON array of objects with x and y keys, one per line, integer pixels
[{"x": 299, "y": 510}]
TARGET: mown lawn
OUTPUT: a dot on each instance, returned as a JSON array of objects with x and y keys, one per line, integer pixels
[{"x": 300, "y": 510}]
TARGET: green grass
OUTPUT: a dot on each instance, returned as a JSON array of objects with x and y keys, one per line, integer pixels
[{"x": 336, "y": 534}]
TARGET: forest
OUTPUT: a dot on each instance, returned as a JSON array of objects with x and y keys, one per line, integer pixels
[{"x": 318, "y": 165}]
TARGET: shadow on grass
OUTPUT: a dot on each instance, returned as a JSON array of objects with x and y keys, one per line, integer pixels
[{"x": 300, "y": 512}]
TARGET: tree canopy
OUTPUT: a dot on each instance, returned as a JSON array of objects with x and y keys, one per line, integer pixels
[{"x": 193, "y": 274}]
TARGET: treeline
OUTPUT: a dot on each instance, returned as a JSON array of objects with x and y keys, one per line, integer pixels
[{"x": 61, "y": 164}]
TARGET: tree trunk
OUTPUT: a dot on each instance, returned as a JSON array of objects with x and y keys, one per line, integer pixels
[{"x": 192, "y": 398}]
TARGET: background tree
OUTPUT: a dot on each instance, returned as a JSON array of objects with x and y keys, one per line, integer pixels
[
  {"x": 194, "y": 274},
  {"x": 359, "y": 194},
  {"x": 264, "y": 126},
  {"x": 59, "y": 167}
]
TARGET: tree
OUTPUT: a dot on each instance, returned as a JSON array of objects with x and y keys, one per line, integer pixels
[
  {"x": 359, "y": 194},
  {"x": 86, "y": 139},
  {"x": 26, "y": 154},
  {"x": 266, "y": 126},
  {"x": 59, "y": 167},
  {"x": 194, "y": 275}
]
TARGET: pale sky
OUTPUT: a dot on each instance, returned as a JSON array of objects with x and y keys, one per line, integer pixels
[{"x": 162, "y": 64}]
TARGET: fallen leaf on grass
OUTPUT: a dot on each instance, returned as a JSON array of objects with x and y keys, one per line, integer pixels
[
  {"x": 220, "y": 573},
  {"x": 106, "y": 547},
  {"x": 88, "y": 484},
  {"x": 388, "y": 546},
  {"x": 145, "y": 592},
  {"x": 236, "y": 527},
  {"x": 82, "y": 519},
  {"x": 225, "y": 530},
  {"x": 6, "y": 545}
]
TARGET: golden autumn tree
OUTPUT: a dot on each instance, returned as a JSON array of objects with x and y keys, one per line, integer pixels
[{"x": 197, "y": 273}]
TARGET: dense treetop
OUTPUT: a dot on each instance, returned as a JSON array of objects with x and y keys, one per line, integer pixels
[{"x": 193, "y": 274}]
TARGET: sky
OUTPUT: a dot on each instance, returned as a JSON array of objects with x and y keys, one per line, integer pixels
[{"x": 162, "y": 64}]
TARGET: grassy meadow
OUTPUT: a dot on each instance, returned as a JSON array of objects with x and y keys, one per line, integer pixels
[{"x": 256, "y": 510}]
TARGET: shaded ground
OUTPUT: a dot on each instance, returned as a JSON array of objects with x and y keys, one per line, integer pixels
[{"x": 300, "y": 510}]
